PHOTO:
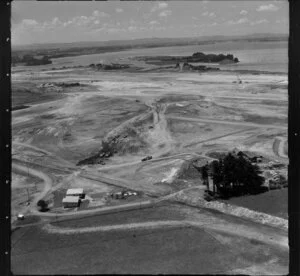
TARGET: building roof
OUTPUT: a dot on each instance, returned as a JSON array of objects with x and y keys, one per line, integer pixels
[
  {"x": 74, "y": 191},
  {"x": 71, "y": 199}
]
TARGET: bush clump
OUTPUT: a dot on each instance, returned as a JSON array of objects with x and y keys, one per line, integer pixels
[
  {"x": 235, "y": 175},
  {"x": 43, "y": 205}
]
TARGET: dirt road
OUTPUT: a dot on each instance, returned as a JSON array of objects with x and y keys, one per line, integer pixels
[
  {"x": 275, "y": 239},
  {"x": 48, "y": 153},
  {"x": 278, "y": 147},
  {"x": 160, "y": 139},
  {"x": 218, "y": 137},
  {"x": 105, "y": 210},
  {"x": 46, "y": 188},
  {"x": 236, "y": 123},
  {"x": 32, "y": 147}
]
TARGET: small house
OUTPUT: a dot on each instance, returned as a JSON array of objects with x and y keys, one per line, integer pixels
[
  {"x": 71, "y": 201},
  {"x": 76, "y": 192}
]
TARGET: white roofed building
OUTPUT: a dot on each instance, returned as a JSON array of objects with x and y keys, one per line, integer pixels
[
  {"x": 75, "y": 192},
  {"x": 71, "y": 201}
]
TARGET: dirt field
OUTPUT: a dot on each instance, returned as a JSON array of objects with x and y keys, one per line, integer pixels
[{"x": 116, "y": 119}]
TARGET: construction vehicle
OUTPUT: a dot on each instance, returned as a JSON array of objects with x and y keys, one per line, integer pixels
[{"x": 147, "y": 158}]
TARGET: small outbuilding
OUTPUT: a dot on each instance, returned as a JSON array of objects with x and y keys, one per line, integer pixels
[
  {"x": 76, "y": 192},
  {"x": 20, "y": 217},
  {"x": 71, "y": 201}
]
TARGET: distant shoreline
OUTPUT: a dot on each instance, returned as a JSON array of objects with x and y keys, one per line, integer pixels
[
  {"x": 72, "y": 50},
  {"x": 159, "y": 69},
  {"x": 156, "y": 40}
]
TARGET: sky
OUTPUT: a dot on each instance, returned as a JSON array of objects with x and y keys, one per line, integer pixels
[{"x": 64, "y": 21}]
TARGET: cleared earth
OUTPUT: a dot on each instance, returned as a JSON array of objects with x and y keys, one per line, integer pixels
[{"x": 179, "y": 119}]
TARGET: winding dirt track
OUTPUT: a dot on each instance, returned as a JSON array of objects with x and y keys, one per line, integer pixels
[
  {"x": 46, "y": 180},
  {"x": 218, "y": 137},
  {"x": 159, "y": 135},
  {"x": 236, "y": 123},
  {"x": 33, "y": 147},
  {"x": 229, "y": 228},
  {"x": 101, "y": 210},
  {"x": 47, "y": 153},
  {"x": 159, "y": 138},
  {"x": 254, "y": 233},
  {"x": 278, "y": 147},
  {"x": 160, "y": 126}
]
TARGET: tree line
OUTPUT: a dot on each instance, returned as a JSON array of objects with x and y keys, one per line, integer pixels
[
  {"x": 30, "y": 60},
  {"x": 233, "y": 175}
]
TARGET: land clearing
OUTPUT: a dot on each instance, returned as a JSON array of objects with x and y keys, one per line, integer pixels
[{"x": 83, "y": 128}]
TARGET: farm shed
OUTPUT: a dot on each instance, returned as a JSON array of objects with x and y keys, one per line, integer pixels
[
  {"x": 71, "y": 201},
  {"x": 76, "y": 192}
]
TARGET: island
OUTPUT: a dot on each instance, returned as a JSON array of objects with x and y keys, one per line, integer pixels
[
  {"x": 30, "y": 60},
  {"x": 196, "y": 57}
]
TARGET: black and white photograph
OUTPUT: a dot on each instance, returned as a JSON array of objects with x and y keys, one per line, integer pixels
[{"x": 149, "y": 137}]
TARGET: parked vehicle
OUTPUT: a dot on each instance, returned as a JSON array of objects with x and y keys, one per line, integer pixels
[
  {"x": 123, "y": 194},
  {"x": 147, "y": 158},
  {"x": 20, "y": 217},
  {"x": 119, "y": 195}
]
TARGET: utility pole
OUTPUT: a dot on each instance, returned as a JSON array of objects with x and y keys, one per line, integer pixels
[
  {"x": 28, "y": 202},
  {"x": 28, "y": 196}
]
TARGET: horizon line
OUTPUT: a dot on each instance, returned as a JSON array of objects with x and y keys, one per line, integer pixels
[{"x": 144, "y": 38}]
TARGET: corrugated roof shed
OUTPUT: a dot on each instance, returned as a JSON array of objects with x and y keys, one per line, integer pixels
[
  {"x": 75, "y": 191},
  {"x": 71, "y": 199}
]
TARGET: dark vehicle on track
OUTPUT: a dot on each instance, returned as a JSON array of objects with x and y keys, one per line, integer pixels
[{"x": 147, "y": 158}]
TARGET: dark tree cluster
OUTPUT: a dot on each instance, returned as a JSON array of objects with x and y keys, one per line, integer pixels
[
  {"x": 30, "y": 60},
  {"x": 235, "y": 175},
  {"x": 107, "y": 150},
  {"x": 43, "y": 205},
  {"x": 112, "y": 66},
  {"x": 196, "y": 57},
  {"x": 201, "y": 57},
  {"x": 187, "y": 66}
]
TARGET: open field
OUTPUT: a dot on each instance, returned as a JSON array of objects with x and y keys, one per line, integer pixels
[
  {"x": 83, "y": 128},
  {"x": 272, "y": 202},
  {"x": 163, "y": 246}
]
